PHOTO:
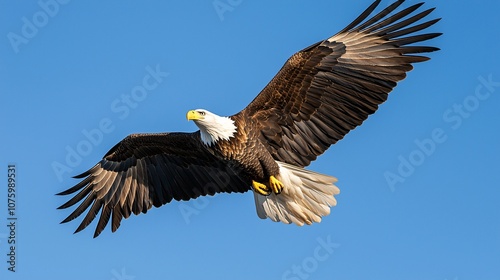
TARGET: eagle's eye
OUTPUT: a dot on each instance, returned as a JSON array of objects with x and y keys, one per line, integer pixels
[{"x": 201, "y": 113}]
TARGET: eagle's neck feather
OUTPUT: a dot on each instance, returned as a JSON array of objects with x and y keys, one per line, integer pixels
[{"x": 220, "y": 128}]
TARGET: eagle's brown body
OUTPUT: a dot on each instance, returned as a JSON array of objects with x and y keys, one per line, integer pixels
[{"x": 246, "y": 153}]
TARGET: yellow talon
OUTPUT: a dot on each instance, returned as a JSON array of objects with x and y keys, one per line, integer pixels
[
  {"x": 261, "y": 188},
  {"x": 275, "y": 184}
]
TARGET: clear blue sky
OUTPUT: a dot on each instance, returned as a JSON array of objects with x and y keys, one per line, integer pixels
[{"x": 74, "y": 70}]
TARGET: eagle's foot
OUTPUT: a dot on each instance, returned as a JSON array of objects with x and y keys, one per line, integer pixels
[
  {"x": 261, "y": 188},
  {"x": 275, "y": 184}
]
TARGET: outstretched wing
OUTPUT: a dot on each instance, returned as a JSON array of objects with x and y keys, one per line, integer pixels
[
  {"x": 145, "y": 170},
  {"x": 329, "y": 88}
]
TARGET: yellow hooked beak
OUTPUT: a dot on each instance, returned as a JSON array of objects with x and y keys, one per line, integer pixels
[{"x": 193, "y": 115}]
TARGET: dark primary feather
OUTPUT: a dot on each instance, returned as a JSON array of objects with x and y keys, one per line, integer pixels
[
  {"x": 145, "y": 170},
  {"x": 331, "y": 87}
]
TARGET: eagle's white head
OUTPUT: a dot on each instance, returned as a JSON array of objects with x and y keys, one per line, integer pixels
[{"x": 212, "y": 127}]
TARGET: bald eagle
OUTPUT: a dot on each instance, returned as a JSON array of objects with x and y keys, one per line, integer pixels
[{"x": 319, "y": 95}]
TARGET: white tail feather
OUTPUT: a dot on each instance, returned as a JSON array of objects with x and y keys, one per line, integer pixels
[{"x": 306, "y": 197}]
